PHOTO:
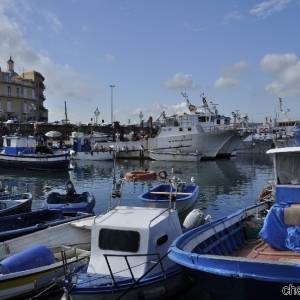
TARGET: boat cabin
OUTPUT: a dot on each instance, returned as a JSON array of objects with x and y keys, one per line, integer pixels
[
  {"x": 128, "y": 241},
  {"x": 15, "y": 145}
]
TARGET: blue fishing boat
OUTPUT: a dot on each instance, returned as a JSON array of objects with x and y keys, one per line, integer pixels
[
  {"x": 20, "y": 224},
  {"x": 71, "y": 203},
  {"x": 15, "y": 204},
  {"x": 183, "y": 194},
  {"x": 245, "y": 255},
  {"x": 25, "y": 153}
]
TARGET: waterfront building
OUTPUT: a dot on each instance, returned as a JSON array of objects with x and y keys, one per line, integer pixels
[{"x": 22, "y": 96}]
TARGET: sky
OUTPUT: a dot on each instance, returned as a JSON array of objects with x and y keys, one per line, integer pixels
[{"x": 242, "y": 55}]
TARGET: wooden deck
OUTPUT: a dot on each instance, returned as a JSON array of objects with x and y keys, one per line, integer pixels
[{"x": 261, "y": 250}]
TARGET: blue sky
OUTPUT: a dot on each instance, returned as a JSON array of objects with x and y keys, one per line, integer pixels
[{"x": 242, "y": 54}]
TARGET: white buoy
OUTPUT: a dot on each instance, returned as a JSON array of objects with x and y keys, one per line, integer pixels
[{"x": 195, "y": 218}]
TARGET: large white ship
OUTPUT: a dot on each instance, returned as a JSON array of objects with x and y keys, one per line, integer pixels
[{"x": 201, "y": 130}]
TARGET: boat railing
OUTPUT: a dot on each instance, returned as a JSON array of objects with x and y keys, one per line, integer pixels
[
  {"x": 158, "y": 262},
  {"x": 157, "y": 216}
]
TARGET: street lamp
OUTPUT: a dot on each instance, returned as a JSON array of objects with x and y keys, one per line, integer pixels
[
  {"x": 112, "y": 86},
  {"x": 97, "y": 113}
]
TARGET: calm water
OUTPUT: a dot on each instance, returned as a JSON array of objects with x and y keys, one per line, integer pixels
[{"x": 225, "y": 185}]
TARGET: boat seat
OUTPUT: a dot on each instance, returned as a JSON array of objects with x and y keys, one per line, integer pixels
[{"x": 292, "y": 215}]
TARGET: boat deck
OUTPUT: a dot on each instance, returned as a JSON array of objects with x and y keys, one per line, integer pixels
[{"x": 261, "y": 250}]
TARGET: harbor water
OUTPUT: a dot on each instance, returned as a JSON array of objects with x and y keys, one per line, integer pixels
[{"x": 225, "y": 185}]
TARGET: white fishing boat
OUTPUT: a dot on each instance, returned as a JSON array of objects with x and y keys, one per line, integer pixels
[
  {"x": 129, "y": 257},
  {"x": 174, "y": 156},
  {"x": 201, "y": 130},
  {"x": 27, "y": 272}
]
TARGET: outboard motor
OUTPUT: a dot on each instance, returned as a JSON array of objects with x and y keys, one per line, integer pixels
[{"x": 195, "y": 218}]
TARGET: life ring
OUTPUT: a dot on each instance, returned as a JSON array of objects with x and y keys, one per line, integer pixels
[
  {"x": 140, "y": 175},
  {"x": 163, "y": 174},
  {"x": 263, "y": 130}
]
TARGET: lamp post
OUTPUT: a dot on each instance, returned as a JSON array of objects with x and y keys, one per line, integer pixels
[
  {"x": 112, "y": 86},
  {"x": 97, "y": 113}
]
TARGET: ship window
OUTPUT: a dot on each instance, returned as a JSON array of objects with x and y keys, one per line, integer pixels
[
  {"x": 161, "y": 240},
  {"x": 218, "y": 121},
  {"x": 8, "y": 142},
  {"x": 180, "y": 128},
  {"x": 189, "y": 128},
  {"x": 288, "y": 168},
  {"x": 119, "y": 240},
  {"x": 202, "y": 119}
]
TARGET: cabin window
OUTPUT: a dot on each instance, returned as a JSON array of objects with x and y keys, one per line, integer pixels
[
  {"x": 119, "y": 240},
  {"x": 202, "y": 119},
  {"x": 288, "y": 168},
  {"x": 189, "y": 129},
  {"x": 8, "y": 142},
  {"x": 161, "y": 240},
  {"x": 218, "y": 121},
  {"x": 180, "y": 129}
]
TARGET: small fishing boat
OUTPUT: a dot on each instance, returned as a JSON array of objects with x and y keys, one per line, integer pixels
[
  {"x": 174, "y": 156},
  {"x": 177, "y": 191},
  {"x": 251, "y": 254},
  {"x": 15, "y": 204},
  {"x": 35, "y": 269},
  {"x": 88, "y": 147},
  {"x": 23, "y": 152},
  {"x": 129, "y": 257},
  {"x": 71, "y": 203},
  {"x": 68, "y": 242},
  {"x": 20, "y": 224}
]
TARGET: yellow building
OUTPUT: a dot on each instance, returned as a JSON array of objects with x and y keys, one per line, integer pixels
[{"x": 22, "y": 96}]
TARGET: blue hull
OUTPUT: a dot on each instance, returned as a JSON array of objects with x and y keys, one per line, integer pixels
[
  {"x": 83, "y": 203},
  {"x": 207, "y": 252}
]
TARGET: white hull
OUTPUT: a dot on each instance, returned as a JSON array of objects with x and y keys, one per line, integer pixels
[
  {"x": 209, "y": 144},
  {"x": 174, "y": 156},
  {"x": 95, "y": 155}
]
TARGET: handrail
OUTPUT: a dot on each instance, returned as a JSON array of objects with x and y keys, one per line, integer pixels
[{"x": 128, "y": 265}]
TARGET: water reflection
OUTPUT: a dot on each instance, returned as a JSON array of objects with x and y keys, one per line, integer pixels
[{"x": 225, "y": 185}]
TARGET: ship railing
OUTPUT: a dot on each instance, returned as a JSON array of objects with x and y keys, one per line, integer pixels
[{"x": 157, "y": 262}]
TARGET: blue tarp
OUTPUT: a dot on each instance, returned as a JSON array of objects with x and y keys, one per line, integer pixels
[{"x": 277, "y": 234}]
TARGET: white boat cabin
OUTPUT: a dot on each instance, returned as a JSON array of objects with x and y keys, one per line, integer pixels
[
  {"x": 132, "y": 231},
  {"x": 15, "y": 144},
  {"x": 286, "y": 165}
]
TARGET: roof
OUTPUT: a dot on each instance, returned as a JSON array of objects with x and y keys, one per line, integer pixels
[
  {"x": 132, "y": 217},
  {"x": 284, "y": 150}
]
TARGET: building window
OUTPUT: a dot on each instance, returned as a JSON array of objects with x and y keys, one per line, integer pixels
[
  {"x": 22, "y": 91},
  {"x": 8, "y": 91},
  {"x": 1, "y": 109},
  {"x": 25, "y": 108},
  {"x": 9, "y": 106},
  {"x": 18, "y": 92}
]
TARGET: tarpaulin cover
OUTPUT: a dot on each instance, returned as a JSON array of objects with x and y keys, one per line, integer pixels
[
  {"x": 287, "y": 195},
  {"x": 277, "y": 234}
]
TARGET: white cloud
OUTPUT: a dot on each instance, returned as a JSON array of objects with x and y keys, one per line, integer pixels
[
  {"x": 109, "y": 58},
  {"x": 62, "y": 82},
  {"x": 286, "y": 70},
  {"x": 53, "y": 21},
  {"x": 231, "y": 74},
  {"x": 236, "y": 69},
  {"x": 232, "y": 16},
  {"x": 180, "y": 81},
  {"x": 266, "y": 8},
  {"x": 226, "y": 82}
]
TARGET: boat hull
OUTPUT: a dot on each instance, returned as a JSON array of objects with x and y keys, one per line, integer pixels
[
  {"x": 95, "y": 155},
  {"x": 174, "y": 156},
  {"x": 162, "y": 288},
  {"x": 232, "y": 288},
  {"x": 17, "y": 209},
  {"x": 35, "y": 162},
  {"x": 30, "y": 282}
]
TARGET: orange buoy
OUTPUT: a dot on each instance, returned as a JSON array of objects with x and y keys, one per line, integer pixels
[{"x": 140, "y": 175}]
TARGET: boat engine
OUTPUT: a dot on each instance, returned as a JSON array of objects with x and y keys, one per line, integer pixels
[{"x": 195, "y": 218}]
